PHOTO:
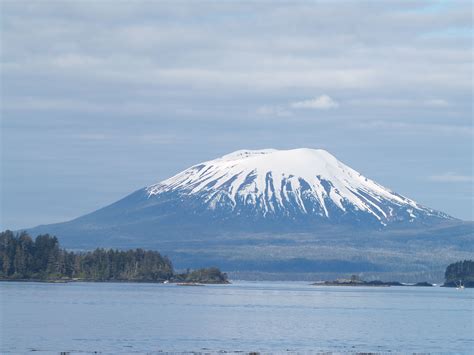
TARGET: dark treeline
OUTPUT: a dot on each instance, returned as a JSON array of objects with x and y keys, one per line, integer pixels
[
  {"x": 458, "y": 273},
  {"x": 210, "y": 275},
  {"x": 21, "y": 257}
]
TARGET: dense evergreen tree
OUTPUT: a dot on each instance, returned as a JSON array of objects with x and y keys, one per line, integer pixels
[
  {"x": 460, "y": 272},
  {"x": 23, "y": 258}
]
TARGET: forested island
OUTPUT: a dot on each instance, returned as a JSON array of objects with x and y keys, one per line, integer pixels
[
  {"x": 460, "y": 274},
  {"x": 42, "y": 259}
]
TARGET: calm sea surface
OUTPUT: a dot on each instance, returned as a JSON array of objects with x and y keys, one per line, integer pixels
[{"x": 244, "y": 316}]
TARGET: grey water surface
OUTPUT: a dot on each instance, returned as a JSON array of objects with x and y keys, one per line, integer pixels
[{"x": 243, "y": 316}]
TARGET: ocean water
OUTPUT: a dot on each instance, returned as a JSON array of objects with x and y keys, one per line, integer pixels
[{"x": 267, "y": 317}]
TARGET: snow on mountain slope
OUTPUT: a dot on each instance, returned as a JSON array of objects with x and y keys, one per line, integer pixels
[{"x": 294, "y": 183}]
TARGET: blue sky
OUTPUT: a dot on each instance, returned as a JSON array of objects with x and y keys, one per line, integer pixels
[{"x": 100, "y": 98}]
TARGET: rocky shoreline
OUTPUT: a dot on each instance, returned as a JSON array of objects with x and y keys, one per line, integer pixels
[{"x": 170, "y": 282}]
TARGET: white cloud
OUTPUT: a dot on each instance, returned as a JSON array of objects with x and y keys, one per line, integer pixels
[
  {"x": 399, "y": 102},
  {"x": 323, "y": 102},
  {"x": 451, "y": 177},
  {"x": 273, "y": 111},
  {"x": 436, "y": 103},
  {"x": 92, "y": 137},
  {"x": 71, "y": 61},
  {"x": 160, "y": 139},
  {"x": 147, "y": 138},
  {"x": 419, "y": 128}
]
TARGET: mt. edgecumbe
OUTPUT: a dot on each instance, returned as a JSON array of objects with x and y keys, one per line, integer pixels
[{"x": 261, "y": 200}]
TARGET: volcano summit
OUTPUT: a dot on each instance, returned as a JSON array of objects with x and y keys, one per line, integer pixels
[{"x": 282, "y": 185}]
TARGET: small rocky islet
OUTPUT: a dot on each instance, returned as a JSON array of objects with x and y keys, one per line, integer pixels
[{"x": 356, "y": 281}]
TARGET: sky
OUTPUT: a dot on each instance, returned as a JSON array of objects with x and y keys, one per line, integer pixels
[{"x": 101, "y": 98}]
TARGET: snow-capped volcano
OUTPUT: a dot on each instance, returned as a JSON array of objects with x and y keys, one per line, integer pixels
[
  {"x": 274, "y": 211},
  {"x": 297, "y": 184}
]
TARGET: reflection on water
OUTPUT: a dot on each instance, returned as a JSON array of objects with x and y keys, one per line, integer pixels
[{"x": 244, "y": 316}]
